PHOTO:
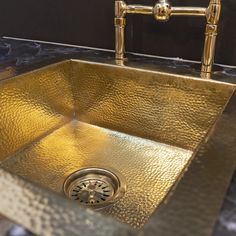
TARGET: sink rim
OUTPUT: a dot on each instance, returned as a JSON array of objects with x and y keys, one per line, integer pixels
[{"x": 113, "y": 64}]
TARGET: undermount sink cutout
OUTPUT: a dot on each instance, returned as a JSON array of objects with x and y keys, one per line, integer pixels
[{"x": 76, "y": 115}]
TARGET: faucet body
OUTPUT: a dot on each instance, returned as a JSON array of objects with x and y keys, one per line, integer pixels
[{"x": 162, "y": 11}]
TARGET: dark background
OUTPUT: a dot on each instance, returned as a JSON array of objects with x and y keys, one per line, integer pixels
[{"x": 90, "y": 23}]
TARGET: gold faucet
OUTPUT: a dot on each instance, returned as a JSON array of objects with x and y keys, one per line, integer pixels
[{"x": 162, "y": 11}]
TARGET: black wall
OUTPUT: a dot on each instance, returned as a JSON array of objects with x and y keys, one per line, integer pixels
[{"x": 90, "y": 23}]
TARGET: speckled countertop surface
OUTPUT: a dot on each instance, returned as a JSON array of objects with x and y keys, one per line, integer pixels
[{"x": 17, "y": 57}]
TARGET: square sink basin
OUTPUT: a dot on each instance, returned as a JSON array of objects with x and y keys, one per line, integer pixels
[{"x": 143, "y": 127}]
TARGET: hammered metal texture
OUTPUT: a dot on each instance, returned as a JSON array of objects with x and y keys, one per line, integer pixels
[
  {"x": 167, "y": 108},
  {"x": 144, "y": 124},
  {"x": 32, "y": 104},
  {"x": 48, "y": 214},
  {"x": 196, "y": 202},
  {"x": 150, "y": 168}
]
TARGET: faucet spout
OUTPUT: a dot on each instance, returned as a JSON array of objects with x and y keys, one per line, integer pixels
[{"x": 162, "y": 11}]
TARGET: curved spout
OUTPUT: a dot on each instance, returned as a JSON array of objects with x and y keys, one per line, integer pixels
[{"x": 162, "y": 11}]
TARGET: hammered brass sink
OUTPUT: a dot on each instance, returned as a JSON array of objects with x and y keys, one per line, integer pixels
[{"x": 77, "y": 114}]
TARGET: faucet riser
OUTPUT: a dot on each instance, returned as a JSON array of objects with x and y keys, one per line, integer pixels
[{"x": 162, "y": 11}]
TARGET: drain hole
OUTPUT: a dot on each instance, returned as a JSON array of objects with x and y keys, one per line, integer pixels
[{"x": 95, "y": 187}]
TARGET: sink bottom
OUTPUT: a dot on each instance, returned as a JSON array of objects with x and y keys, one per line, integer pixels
[{"x": 150, "y": 168}]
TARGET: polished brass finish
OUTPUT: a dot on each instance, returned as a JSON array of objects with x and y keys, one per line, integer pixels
[
  {"x": 120, "y": 32},
  {"x": 95, "y": 187},
  {"x": 138, "y": 9},
  {"x": 121, "y": 9},
  {"x": 120, "y": 23},
  {"x": 188, "y": 11},
  {"x": 162, "y": 11},
  {"x": 146, "y": 125}
]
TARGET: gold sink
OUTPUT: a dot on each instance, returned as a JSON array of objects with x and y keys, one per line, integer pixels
[{"x": 75, "y": 114}]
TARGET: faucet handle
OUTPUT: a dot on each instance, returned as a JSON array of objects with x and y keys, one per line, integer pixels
[
  {"x": 162, "y": 10},
  {"x": 213, "y": 12}
]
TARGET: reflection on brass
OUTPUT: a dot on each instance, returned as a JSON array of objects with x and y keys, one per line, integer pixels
[
  {"x": 150, "y": 168},
  {"x": 29, "y": 110},
  {"x": 75, "y": 114},
  {"x": 162, "y": 11}
]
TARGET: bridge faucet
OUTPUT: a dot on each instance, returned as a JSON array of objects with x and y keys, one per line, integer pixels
[{"x": 162, "y": 11}]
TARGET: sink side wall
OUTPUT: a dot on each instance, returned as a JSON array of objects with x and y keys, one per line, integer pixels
[
  {"x": 170, "y": 109},
  {"x": 32, "y": 105}
]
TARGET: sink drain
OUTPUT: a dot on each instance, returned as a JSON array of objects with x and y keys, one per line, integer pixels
[{"x": 95, "y": 187}]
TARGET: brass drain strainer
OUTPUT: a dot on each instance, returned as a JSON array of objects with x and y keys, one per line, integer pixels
[{"x": 95, "y": 187}]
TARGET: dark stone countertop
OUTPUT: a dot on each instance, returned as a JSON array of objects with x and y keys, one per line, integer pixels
[{"x": 19, "y": 56}]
